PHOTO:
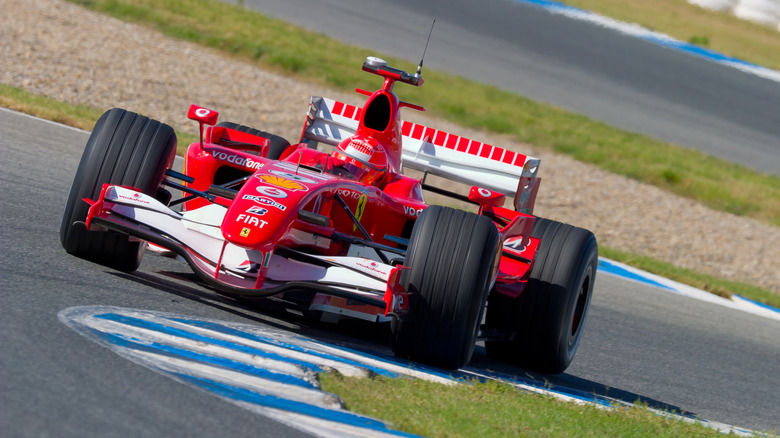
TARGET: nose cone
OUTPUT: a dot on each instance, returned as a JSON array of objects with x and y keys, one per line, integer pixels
[{"x": 263, "y": 208}]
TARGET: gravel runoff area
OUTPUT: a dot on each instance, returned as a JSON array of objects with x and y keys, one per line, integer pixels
[{"x": 66, "y": 52}]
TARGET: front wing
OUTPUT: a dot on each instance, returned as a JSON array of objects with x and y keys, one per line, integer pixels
[{"x": 196, "y": 236}]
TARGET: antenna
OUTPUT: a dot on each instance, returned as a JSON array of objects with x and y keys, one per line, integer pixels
[{"x": 419, "y": 67}]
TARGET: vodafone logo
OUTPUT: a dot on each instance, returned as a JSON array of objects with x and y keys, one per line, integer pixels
[
  {"x": 485, "y": 193},
  {"x": 273, "y": 192},
  {"x": 136, "y": 198},
  {"x": 202, "y": 112},
  {"x": 373, "y": 267},
  {"x": 237, "y": 159},
  {"x": 413, "y": 212}
]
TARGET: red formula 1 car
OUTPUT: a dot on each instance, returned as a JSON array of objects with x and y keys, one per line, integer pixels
[{"x": 342, "y": 231}]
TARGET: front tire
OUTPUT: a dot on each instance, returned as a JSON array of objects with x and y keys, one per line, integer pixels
[
  {"x": 124, "y": 149},
  {"x": 548, "y": 317},
  {"x": 452, "y": 257}
]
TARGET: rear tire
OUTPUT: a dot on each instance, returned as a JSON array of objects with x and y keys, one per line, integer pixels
[
  {"x": 276, "y": 144},
  {"x": 452, "y": 257},
  {"x": 124, "y": 149},
  {"x": 549, "y": 316}
]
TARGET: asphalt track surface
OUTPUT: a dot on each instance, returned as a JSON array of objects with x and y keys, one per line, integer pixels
[
  {"x": 623, "y": 81},
  {"x": 640, "y": 342}
]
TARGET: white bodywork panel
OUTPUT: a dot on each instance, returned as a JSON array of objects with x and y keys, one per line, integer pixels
[{"x": 199, "y": 231}]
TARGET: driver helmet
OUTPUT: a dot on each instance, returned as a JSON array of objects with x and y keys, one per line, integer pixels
[{"x": 363, "y": 157}]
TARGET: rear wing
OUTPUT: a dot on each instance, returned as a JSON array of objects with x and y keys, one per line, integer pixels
[{"x": 436, "y": 152}]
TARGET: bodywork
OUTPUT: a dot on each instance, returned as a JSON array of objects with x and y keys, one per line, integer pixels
[{"x": 253, "y": 226}]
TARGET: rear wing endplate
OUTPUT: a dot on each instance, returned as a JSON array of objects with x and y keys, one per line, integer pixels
[{"x": 436, "y": 152}]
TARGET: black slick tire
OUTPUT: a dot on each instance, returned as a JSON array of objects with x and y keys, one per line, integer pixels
[
  {"x": 548, "y": 317},
  {"x": 124, "y": 149},
  {"x": 276, "y": 144},
  {"x": 452, "y": 260}
]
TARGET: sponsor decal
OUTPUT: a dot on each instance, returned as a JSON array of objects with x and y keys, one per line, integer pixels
[
  {"x": 245, "y": 232},
  {"x": 371, "y": 267},
  {"x": 349, "y": 194},
  {"x": 202, "y": 112},
  {"x": 236, "y": 159},
  {"x": 250, "y": 220},
  {"x": 361, "y": 208},
  {"x": 413, "y": 212},
  {"x": 273, "y": 192},
  {"x": 248, "y": 266},
  {"x": 266, "y": 201},
  {"x": 293, "y": 176},
  {"x": 136, "y": 198},
  {"x": 515, "y": 243},
  {"x": 257, "y": 210},
  {"x": 485, "y": 193},
  {"x": 284, "y": 183},
  {"x": 398, "y": 303}
]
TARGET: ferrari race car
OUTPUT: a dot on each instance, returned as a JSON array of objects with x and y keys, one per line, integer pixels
[{"x": 334, "y": 225}]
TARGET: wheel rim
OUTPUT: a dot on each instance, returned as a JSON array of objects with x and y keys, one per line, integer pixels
[{"x": 580, "y": 308}]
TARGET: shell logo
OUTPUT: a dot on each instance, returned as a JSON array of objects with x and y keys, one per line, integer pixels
[{"x": 282, "y": 182}]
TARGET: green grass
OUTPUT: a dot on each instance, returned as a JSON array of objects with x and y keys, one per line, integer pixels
[
  {"x": 77, "y": 116},
  {"x": 495, "y": 410},
  {"x": 717, "y": 286},
  {"x": 310, "y": 56}
]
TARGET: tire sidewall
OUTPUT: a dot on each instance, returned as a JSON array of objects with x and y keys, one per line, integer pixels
[
  {"x": 568, "y": 343},
  {"x": 124, "y": 148},
  {"x": 539, "y": 321}
]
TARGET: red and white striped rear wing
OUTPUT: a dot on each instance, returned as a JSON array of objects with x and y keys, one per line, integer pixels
[{"x": 437, "y": 152}]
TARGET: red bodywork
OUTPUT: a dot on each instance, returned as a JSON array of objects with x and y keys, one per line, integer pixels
[{"x": 296, "y": 203}]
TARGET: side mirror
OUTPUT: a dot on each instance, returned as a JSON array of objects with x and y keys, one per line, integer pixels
[
  {"x": 486, "y": 197},
  {"x": 202, "y": 116}
]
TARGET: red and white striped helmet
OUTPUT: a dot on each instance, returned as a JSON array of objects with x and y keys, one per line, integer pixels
[{"x": 363, "y": 157}]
